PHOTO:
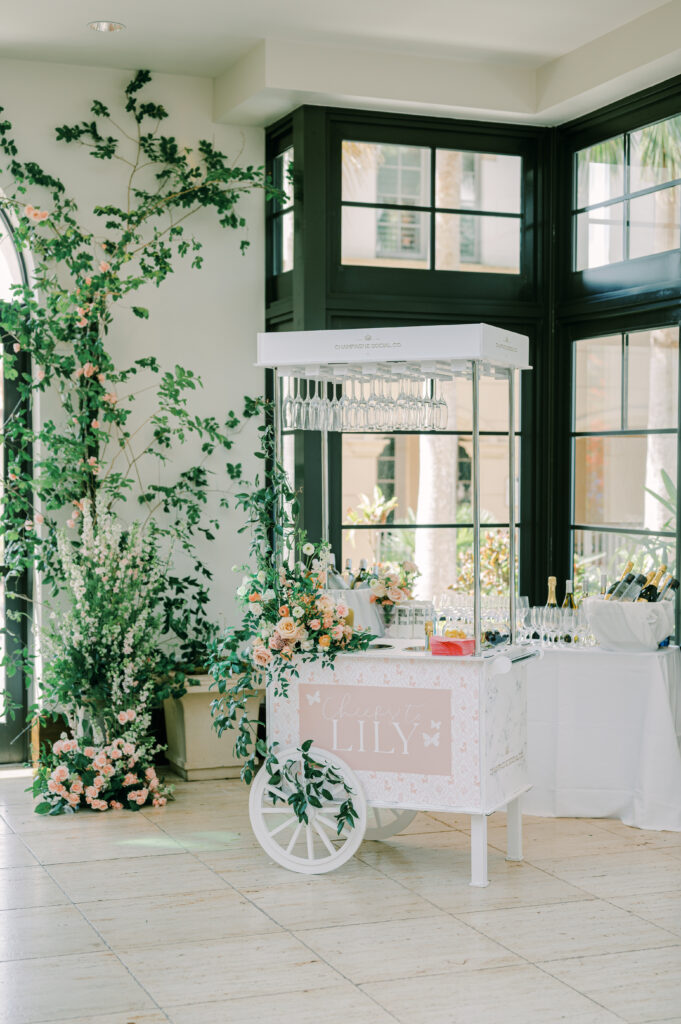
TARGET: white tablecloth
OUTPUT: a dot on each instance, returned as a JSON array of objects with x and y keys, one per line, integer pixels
[{"x": 604, "y": 734}]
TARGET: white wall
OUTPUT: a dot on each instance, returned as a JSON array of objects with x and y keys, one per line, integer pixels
[{"x": 206, "y": 320}]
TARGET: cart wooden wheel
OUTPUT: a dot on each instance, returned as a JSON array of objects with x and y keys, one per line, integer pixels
[
  {"x": 384, "y": 822},
  {"x": 311, "y": 848}
]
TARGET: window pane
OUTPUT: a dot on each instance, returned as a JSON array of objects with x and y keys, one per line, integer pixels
[
  {"x": 655, "y": 154},
  {"x": 478, "y": 181},
  {"x": 596, "y": 552},
  {"x": 599, "y": 171},
  {"x": 422, "y": 478},
  {"x": 598, "y": 237},
  {"x": 655, "y": 222},
  {"x": 444, "y": 556},
  {"x": 375, "y": 173},
  {"x": 472, "y": 242},
  {"x": 598, "y": 383},
  {"x": 282, "y": 241},
  {"x": 653, "y": 376},
  {"x": 282, "y": 177},
  {"x": 385, "y": 238},
  {"x": 625, "y": 481},
  {"x": 493, "y": 403}
]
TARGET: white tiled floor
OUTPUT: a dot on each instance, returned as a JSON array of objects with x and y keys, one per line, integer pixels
[{"x": 177, "y": 916}]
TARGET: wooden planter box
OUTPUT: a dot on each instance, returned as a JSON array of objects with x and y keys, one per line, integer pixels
[{"x": 195, "y": 751}]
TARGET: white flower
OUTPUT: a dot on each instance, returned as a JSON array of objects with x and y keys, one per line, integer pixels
[
  {"x": 268, "y": 595},
  {"x": 262, "y": 576},
  {"x": 308, "y": 549},
  {"x": 297, "y": 612},
  {"x": 256, "y": 609},
  {"x": 307, "y": 645}
]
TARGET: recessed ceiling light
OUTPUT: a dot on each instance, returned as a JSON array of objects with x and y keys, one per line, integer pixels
[{"x": 106, "y": 26}]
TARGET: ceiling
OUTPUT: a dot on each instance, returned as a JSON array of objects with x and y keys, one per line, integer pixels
[{"x": 212, "y": 38}]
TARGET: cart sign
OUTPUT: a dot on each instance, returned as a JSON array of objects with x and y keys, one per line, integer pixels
[{"x": 380, "y": 728}]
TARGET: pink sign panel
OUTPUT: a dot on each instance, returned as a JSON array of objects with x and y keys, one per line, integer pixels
[{"x": 380, "y": 728}]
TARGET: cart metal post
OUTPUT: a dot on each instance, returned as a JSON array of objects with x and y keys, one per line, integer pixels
[
  {"x": 511, "y": 503},
  {"x": 475, "y": 473},
  {"x": 278, "y": 384},
  {"x": 324, "y": 466}
]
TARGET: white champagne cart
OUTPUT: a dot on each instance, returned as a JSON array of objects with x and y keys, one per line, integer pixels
[{"x": 408, "y": 731}]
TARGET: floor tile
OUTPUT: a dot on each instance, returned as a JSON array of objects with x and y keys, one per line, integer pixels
[
  {"x": 661, "y": 908},
  {"x": 622, "y": 874},
  {"x": 228, "y": 969},
  {"x": 159, "y": 920},
  {"x": 249, "y": 869},
  {"x": 133, "y": 1017},
  {"x": 342, "y": 1004},
  {"x": 45, "y": 932},
  {"x": 640, "y": 986},
  {"x": 568, "y": 929},
  {"x": 515, "y": 884},
  {"x": 14, "y": 854},
  {"x": 134, "y": 878},
  {"x": 28, "y": 887},
  {"x": 325, "y": 899},
  {"x": 636, "y": 837},
  {"x": 399, "y": 949},
  {"x": 143, "y": 841},
  {"x": 63, "y": 987},
  {"x": 559, "y": 837},
  {"x": 513, "y": 995},
  {"x": 5, "y": 829}
]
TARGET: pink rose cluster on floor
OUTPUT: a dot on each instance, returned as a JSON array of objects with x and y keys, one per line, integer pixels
[{"x": 73, "y": 775}]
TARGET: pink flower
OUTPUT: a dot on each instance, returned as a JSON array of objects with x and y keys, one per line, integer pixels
[
  {"x": 88, "y": 281},
  {"x": 128, "y": 749},
  {"x": 337, "y": 632},
  {"x": 52, "y": 785},
  {"x": 107, "y": 771},
  {"x": 60, "y": 773},
  {"x": 131, "y": 715},
  {"x": 159, "y": 801},
  {"x": 110, "y": 397},
  {"x": 36, "y": 215},
  {"x": 104, "y": 266},
  {"x": 16, "y": 346},
  {"x": 98, "y": 781},
  {"x": 395, "y": 594},
  {"x": 77, "y": 786},
  {"x": 58, "y": 747},
  {"x": 315, "y": 624},
  {"x": 70, "y": 523},
  {"x": 73, "y": 799},
  {"x": 90, "y": 752},
  {"x": 29, "y": 524},
  {"x": 90, "y": 794},
  {"x": 71, "y": 745},
  {"x": 89, "y": 369},
  {"x": 13, "y": 476},
  {"x": 261, "y": 656},
  {"x": 122, "y": 717},
  {"x": 150, "y": 773},
  {"x": 100, "y": 760},
  {"x": 100, "y": 805},
  {"x": 95, "y": 424},
  {"x": 100, "y": 378},
  {"x": 39, "y": 518},
  {"x": 115, "y": 805},
  {"x": 115, "y": 754},
  {"x": 130, "y": 780},
  {"x": 275, "y": 642},
  {"x": 342, "y": 610}
]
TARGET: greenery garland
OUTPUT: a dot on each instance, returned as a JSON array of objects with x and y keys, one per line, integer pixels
[{"x": 54, "y": 333}]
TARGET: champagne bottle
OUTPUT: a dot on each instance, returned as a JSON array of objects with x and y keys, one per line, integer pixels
[
  {"x": 616, "y": 594},
  {"x": 668, "y": 592},
  {"x": 348, "y": 574},
  {"x": 634, "y": 589},
  {"x": 604, "y": 583},
  {"x": 650, "y": 591},
  {"x": 550, "y": 616},
  {"x": 362, "y": 577},
  {"x": 569, "y": 599},
  {"x": 334, "y": 579},
  {"x": 611, "y": 589}
]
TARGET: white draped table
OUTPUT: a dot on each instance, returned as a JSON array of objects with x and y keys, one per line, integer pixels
[{"x": 604, "y": 735}]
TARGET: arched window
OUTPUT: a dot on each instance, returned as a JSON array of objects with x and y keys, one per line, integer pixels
[{"x": 12, "y": 271}]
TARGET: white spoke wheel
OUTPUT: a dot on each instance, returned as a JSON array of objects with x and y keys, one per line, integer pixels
[
  {"x": 315, "y": 847},
  {"x": 384, "y": 822}
]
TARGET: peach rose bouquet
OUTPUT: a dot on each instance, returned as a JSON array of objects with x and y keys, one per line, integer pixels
[{"x": 393, "y": 585}]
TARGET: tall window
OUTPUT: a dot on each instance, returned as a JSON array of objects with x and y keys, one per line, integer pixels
[
  {"x": 407, "y": 495},
  {"x": 624, "y": 443},
  {"x": 282, "y": 214},
  {"x": 11, "y": 272},
  {"x": 627, "y": 196},
  {"x": 428, "y": 208}
]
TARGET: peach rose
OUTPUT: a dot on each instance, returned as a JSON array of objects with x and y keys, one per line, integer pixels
[
  {"x": 73, "y": 799},
  {"x": 342, "y": 610},
  {"x": 60, "y": 773},
  {"x": 115, "y": 754},
  {"x": 324, "y": 641},
  {"x": 77, "y": 786},
  {"x": 52, "y": 786},
  {"x": 128, "y": 749},
  {"x": 130, "y": 779},
  {"x": 115, "y": 805},
  {"x": 261, "y": 656},
  {"x": 315, "y": 624},
  {"x": 337, "y": 632},
  {"x": 159, "y": 801},
  {"x": 90, "y": 752},
  {"x": 287, "y": 628}
]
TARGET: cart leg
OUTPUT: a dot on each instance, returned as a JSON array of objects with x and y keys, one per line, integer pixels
[
  {"x": 479, "y": 850},
  {"x": 514, "y": 830}
]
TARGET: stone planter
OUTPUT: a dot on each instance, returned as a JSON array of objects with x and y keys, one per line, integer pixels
[{"x": 195, "y": 751}]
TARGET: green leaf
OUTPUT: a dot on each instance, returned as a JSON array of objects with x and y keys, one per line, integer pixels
[{"x": 141, "y": 311}]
